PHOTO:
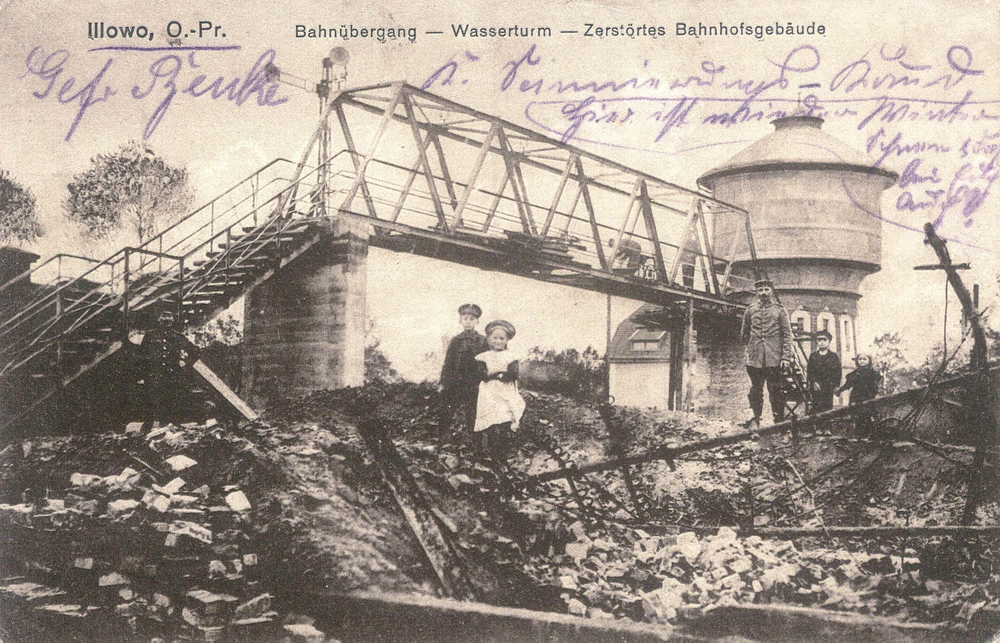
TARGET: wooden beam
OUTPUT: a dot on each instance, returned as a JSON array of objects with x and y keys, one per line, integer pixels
[{"x": 222, "y": 389}]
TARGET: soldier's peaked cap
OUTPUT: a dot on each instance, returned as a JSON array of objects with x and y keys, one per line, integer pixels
[
  {"x": 470, "y": 309},
  {"x": 763, "y": 282}
]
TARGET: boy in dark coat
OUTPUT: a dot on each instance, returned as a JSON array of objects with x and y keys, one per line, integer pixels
[
  {"x": 864, "y": 382},
  {"x": 460, "y": 375},
  {"x": 824, "y": 373}
]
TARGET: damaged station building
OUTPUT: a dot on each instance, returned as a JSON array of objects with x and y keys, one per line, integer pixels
[{"x": 815, "y": 208}]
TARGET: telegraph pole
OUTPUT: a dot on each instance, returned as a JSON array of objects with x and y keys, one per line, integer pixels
[{"x": 981, "y": 407}]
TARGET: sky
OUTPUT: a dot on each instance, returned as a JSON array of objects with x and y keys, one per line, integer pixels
[{"x": 913, "y": 82}]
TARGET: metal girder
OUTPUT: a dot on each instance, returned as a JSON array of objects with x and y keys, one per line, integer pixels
[
  {"x": 342, "y": 119},
  {"x": 405, "y": 192},
  {"x": 484, "y": 150},
  {"x": 516, "y": 183},
  {"x": 647, "y": 213},
  {"x": 387, "y": 117},
  {"x": 470, "y": 145},
  {"x": 688, "y": 226},
  {"x": 559, "y": 191},
  {"x": 590, "y": 213},
  {"x": 428, "y": 173}
]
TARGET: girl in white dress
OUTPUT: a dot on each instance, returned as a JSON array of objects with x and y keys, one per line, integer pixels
[{"x": 499, "y": 405}]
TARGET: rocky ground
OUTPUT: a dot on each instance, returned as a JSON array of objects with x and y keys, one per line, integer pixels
[{"x": 202, "y": 532}]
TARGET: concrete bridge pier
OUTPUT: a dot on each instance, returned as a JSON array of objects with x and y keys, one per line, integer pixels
[{"x": 304, "y": 328}]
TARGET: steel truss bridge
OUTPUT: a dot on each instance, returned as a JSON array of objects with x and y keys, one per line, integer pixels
[{"x": 437, "y": 178}]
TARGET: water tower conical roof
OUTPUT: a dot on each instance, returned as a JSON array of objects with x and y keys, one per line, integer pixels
[{"x": 797, "y": 142}]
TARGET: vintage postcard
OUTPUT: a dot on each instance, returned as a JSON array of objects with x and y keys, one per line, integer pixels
[{"x": 469, "y": 320}]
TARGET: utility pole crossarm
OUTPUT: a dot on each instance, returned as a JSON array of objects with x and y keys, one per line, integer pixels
[{"x": 983, "y": 417}]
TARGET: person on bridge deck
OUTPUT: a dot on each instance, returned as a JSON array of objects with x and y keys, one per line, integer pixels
[
  {"x": 500, "y": 404},
  {"x": 767, "y": 333},
  {"x": 460, "y": 375},
  {"x": 824, "y": 373},
  {"x": 863, "y": 382}
]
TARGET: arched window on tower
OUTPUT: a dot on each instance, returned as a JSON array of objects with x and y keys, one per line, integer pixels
[{"x": 848, "y": 349}]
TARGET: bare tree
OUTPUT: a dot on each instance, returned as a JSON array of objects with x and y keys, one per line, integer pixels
[
  {"x": 18, "y": 220},
  {"x": 133, "y": 188}
]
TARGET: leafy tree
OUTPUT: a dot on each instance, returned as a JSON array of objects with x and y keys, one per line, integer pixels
[
  {"x": 221, "y": 330},
  {"x": 132, "y": 187},
  {"x": 582, "y": 376},
  {"x": 18, "y": 220},
  {"x": 378, "y": 368}
]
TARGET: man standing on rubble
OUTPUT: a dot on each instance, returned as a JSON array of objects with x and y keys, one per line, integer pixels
[
  {"x": 166, "y": 355},
  {"x": 767, "y": 333}
]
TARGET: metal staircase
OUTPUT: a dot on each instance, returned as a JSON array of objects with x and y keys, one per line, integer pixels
[{"x": 69, "y": 314}]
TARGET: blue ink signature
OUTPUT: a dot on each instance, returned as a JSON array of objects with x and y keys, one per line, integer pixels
[{"x": 164, "y": 78}]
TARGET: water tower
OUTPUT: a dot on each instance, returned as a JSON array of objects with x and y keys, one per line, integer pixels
[{"x": 814, "y": 207}]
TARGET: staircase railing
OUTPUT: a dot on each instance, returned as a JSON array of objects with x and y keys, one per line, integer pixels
[{"x": 133, "y": 278}]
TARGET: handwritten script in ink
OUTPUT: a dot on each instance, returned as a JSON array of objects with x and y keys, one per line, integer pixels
[
  {"x": 179, "y": 74},
  {"x": 921, "y": 111}
]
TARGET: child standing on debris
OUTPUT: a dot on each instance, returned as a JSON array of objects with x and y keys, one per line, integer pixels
[
  {"x": 864, "y": 382},
  {"x": 500, "y": 405},
  {"x": 824, "y": 373},
  {"x": 460, "y": 374}
]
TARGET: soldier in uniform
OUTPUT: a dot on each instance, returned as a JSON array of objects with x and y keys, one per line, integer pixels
[
  {"x": 824, "y": 373},
  {"x": 165, "y": 355},
  {"x": 460, "y": 375},
  {"x": 767, "y": 333}
]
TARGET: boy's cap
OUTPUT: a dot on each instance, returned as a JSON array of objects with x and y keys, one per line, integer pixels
[
  {"x": 824, "y": 333},
  {"x": 505, "y": 325},
  {"x": 470, "y": 309}
]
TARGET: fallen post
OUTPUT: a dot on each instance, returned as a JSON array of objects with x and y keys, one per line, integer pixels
[
  {"x": 787, "y": 533},
  {"x": 222, "y": 389},
  {"x": 794, "y": 425},
  {"x": 426, "y": 526}
]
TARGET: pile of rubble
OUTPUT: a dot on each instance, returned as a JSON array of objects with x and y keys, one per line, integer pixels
[
  {"x": 161, "y": 550},
  {"x": 675, "y": 578}
]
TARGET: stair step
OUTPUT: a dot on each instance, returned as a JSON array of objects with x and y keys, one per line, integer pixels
[{"x": 295, "y": 224}]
